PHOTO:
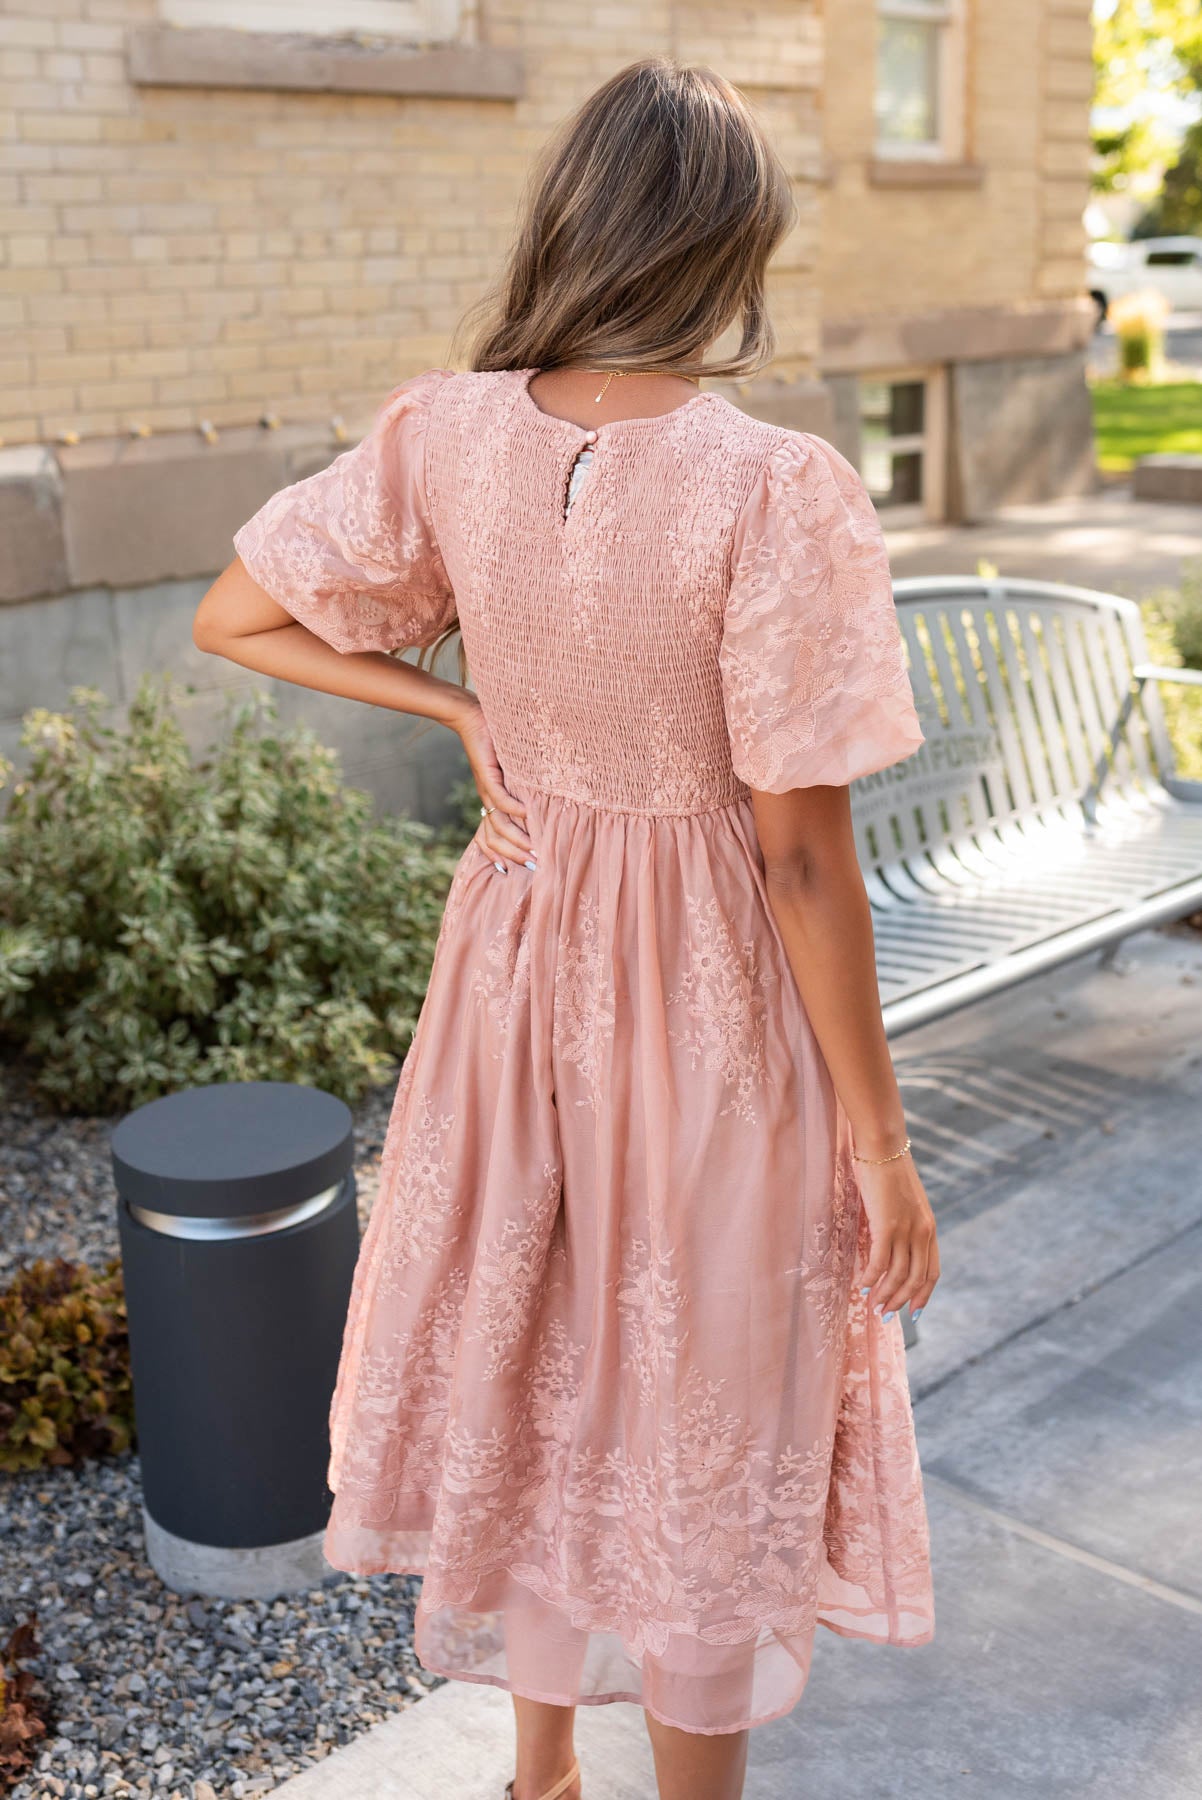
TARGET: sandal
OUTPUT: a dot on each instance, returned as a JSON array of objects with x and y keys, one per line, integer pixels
[{"x": 551, "y": 1793}]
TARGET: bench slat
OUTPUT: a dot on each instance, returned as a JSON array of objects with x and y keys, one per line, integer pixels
[
  {"x": 1076, "y": 743},
  {"x": 1030, "y": 735},
  {"x": 1119, "y": 667},
  {"x": 1001, "y": 710},
  {"x": 1049, "y": 722}
]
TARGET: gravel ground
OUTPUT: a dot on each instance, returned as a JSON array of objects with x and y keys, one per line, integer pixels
[
  {"x": 56, "y": 1183},
  {"x": 155, "y": 1695}
]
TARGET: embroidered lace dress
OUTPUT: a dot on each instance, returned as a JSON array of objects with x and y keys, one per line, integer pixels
[{"x": 608, "y": 1382}]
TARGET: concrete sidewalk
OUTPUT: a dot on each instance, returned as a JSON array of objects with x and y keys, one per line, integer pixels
[
  {"x": 1058, "y": 1395},
  {"x": 1102, "y": 540}
]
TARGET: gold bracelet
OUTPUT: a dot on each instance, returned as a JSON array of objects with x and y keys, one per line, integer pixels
[{"x": 882, "y": 1159}]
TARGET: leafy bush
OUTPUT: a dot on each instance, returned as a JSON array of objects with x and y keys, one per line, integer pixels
[
  {"x": 165, "y": 922},
  {"x": 65, "y": 1387},
  {"x": 1185, "y": 614},
  {"x": 1139, "y": 322},
  {"x": 23, "y": 1705},
  {"x": 1169, "y": 644}
]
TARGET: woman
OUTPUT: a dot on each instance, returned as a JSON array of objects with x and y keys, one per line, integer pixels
[{"x": 623, "y": 1376}]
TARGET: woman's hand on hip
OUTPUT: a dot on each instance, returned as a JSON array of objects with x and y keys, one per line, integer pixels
[
  {"x": 502, "y": 832},
  {"x": 903, "y": 1263}
]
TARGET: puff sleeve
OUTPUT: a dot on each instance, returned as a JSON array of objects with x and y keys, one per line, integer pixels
[
  {"x": 350, "y": 552},
  {"x": 814, "y": 678}
]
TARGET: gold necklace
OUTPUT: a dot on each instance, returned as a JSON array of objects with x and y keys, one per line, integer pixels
[{"x": 610, "y": 373}]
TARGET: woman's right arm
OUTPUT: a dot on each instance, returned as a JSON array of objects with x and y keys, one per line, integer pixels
[{"x": 240, "y": 620}]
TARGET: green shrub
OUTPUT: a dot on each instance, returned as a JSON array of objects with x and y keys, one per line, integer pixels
[
  {"x": 1185, "y": 614},
  {"x": 1139, "y": 322},
  {"x": 65, "y": 1389},
  {"x": 166, "y": 921},
  {"x": 1180, "y": 705}
]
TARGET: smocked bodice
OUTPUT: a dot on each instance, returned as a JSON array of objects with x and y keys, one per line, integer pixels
[
  {"x": 712, "y": 612},
  {"x": 593, "y": 639}
]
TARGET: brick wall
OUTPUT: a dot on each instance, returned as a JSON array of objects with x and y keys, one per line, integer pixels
[
  {"x": 176, "y": 253},
  {"x": 1004, "y": 230}
]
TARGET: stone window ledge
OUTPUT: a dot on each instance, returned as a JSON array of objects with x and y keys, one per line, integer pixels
[
  {"x": 179, "y": 56},
  {"x": 923, "y": 172}
]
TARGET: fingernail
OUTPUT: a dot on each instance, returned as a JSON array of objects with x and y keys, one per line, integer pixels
[
  {"x": 530, "y": 864},
  {"x": 499, "y": 865},
  {"x": 866, "y": 1290},
  {"x": 885, "y": 1317},
  {"x": 916, "y": 1312}
]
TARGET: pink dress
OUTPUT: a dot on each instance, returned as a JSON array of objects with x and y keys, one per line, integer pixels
[{"x": 608, "y": 1382}]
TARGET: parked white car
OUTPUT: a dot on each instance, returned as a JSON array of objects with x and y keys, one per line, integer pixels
[{"x": 1171, "y": 265}]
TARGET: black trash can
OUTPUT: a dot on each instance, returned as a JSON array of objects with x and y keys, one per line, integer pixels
[{"x": 239, "y": 1236}]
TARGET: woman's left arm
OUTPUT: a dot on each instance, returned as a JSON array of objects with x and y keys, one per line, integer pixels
[{"x": 817, "y": 895}]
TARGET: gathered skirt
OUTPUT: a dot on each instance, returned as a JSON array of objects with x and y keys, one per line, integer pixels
[{"x": 608, "y": 1382}]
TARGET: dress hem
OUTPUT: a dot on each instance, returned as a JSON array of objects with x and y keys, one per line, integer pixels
[
  {"x": 868, "y": 1637},
  {"x": 525, "y": 1693}
]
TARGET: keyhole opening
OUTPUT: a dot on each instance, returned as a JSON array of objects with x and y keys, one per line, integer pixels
[{"x": 577, "y": 476}]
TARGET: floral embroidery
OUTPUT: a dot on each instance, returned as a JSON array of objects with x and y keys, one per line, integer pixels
[
  {"x": 563, "y": 759},
  {"x": 402, "y": 1398},
  {"x": 714, "y": 1535},
  {"x": 350, "y": 551},
  {"x": 503, "y": 988},
  {"x": 826, "y": 1272},
  {"x": 677, "y": 773},
  {"x": 813, "y": 661},
  {"x": 649, "y": 1298},
  {"x": 510, "y": 1272},
  {"x": 421, "y": 1217},
  {"x": 584, "y": 1011},
  {"x": 725, "y": 991},
  {"x": 473, "y": 859}
]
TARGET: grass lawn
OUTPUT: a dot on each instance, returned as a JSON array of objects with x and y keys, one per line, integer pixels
[{"x": 1131, "y": 421}]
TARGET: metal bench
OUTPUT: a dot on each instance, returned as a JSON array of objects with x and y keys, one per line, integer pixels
[{"x": 1042, "y": 817}]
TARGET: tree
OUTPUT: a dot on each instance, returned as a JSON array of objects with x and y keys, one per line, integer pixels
[
  {"x": 1178, "y": 206},
  {"x": 1141, "y": 48}
]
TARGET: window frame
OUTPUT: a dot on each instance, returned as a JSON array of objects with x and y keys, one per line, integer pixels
[
  {"x": 949, "y": 141},
  {"x": 930, "y": 442},
  {"x": 417, "y": 21}
]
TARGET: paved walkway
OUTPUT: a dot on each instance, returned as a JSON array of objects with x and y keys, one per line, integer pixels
[
  {"x": 1058, "y": 1395},
  {"x": 1102, "y": 540}
]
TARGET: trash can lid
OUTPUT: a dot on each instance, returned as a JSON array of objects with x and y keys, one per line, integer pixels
[{"x": 234, "y": 1148}]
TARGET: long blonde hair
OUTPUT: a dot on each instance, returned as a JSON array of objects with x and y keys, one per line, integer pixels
[{"x": 645, "y": 231}]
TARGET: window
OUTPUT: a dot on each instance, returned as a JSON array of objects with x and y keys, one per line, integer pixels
[
  {"x": 901, "y": 443},
  {"x": 919, "y": 78},
  {"x": 412, "y": 19},
  {"x": 1171, "y": 259}
]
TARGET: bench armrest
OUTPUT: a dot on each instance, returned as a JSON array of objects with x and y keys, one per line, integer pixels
[
  {"x": 1140, "y": 672},
  {"x": 1154, "y": 672}
]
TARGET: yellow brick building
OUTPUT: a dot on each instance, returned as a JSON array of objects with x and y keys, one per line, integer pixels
[
  {"x": 950, "y": 258},
  {"x": 228, "y": 231}
]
